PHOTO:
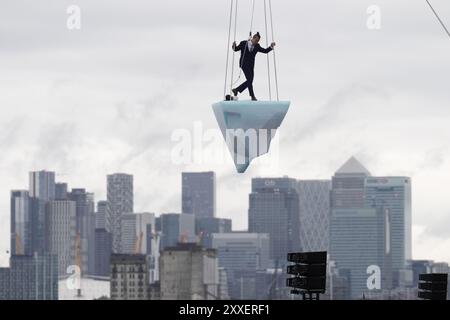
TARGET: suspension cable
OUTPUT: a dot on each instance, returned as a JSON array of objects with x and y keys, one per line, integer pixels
[
  {"x": 267, "y": 45},
  {"x": 274, "y": 56},
  {"x": 228, "y": 49},
  {"x": 439, "y": 19},
  {"x": 253, "y": 16},
  {"x": 234, "y": 53}
]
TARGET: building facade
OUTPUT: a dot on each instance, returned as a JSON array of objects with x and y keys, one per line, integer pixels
[
  {"x": 370, "y": 228},
  {"x": 103, "y": 250},
  {"x": 176, "y": 228},
  {"x": 314, "y": 208},
  {"x": 61, "y": 232},
  {"x": 30, "y": 277},
  {"x": 100, "y": 215},
  {"x": 120, "y": 201},
  {"x": 21, "y": 223},
  {"x": 274, "y": 209},
  {"x": 85, "y": 227},
  {"x": 241, "y": 255},
  {"x": 129, "y": 277},
  {"x": 199, "y": 194},
  {"x": 206, "y": 227},
  {"x": 189, "y": 272},
  {"x": 41, "y": 190},
  {"x": 136, "y": 232}
]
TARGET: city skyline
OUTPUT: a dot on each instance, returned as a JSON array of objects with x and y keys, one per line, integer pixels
[
  {"x": 103, "y": 99},
  {"x": 369, "y": 222},
  {"x": 235, "y": 228}
]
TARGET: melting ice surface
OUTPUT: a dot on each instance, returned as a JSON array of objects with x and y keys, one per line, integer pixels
[{"x": 248, "y": 127}]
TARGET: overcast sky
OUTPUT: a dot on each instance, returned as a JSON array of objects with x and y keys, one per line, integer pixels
[{"x": 108, "y": 97}]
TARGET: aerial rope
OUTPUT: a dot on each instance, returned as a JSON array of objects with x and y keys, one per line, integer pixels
[
  {"x": 267, "y": 44},
  {"x": 439, "y": 19},
  {"x": 228, "y": 48},
  {"x": 268, "y": 17},
  {"x": 253, "y": 17},
  {"x": 245, "y": 50},
  {"x": 274, "y": 54},
  {"x": 234, "y": 53}
]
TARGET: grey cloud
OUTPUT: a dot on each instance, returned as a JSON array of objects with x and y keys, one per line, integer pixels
[
  {"x": 434, "y": 159},
  {"x": 172, "y": 53},
  {"x": 55, "y": 144}
]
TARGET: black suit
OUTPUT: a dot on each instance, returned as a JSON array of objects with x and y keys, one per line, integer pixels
[{"x": 247, "y": 64}]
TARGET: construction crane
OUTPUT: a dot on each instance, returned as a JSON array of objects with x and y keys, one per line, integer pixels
[
  {"x": 138, "y": 244},
  {"x": 183, "y": 238},
  {"x": 19, "y": 248},
  {"x": 200, "y": 237}
]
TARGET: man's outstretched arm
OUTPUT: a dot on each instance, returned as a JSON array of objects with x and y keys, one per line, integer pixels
[{"x": 267, "y": 50}]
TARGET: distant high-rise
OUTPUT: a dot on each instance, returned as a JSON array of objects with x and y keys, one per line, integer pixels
[
  {"x": 189, "y": 272},
  {"x": 348, "y": 185},
  {"x": 176, "y": 228},
  {"x": 120, "y": 201},
  {"x": 80, "y": 197},
  {"x": 42, "y": 185},
  {"x": 394, "y": 195},
  {"x": 103, "y": 241},
  {"x": 100, "y": 215},
  {"x": 274, "y": 209},
  {"x": 370, "y": 225},
  {"x": 30, "y": 277},
  {"x": 199, "y": 193},
  {"x": 359, "y": 244},
  {"x": 314, "y": 198},
  {"x": 61, "y": 191},
  {"x": 41, "y": 190},
  {"x": 21, "y": 223},
  {"x": 241, "y": 255},
  {"x": 103, "y": 244},
  {"x": 61, "y": 232},
  {"x": 85, "y": 226},
  {"x": 206, "y": 227}
]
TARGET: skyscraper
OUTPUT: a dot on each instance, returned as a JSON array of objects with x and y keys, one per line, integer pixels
[
  {"x": 348, "y": 185},
  {"x": 199, "y": 194},
  {"x": 100, "y": 215},
  {"x": 274, "y": 209},
  {"x": 85, "y": 227},
  {"x": 120, "y": 201},
  {"x": 242, "y": 254},
  {"x": 314, "y": 198},
  {"x": 61, "y": 232},
  {"x": 42, "y": 185},
  {"x": 41, "y": 190},
  {"x": 370, "y": 225},
  {"x": 394, "y": 194},
  {"x": 103, "y": 244},
  {"x": 360, "y": 244},
  {"x": 61, "y": 191},
  {"x": 21, "y": 223}
]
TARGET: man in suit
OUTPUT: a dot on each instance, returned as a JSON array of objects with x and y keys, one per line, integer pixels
[{"x": 249, "y": 49}]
